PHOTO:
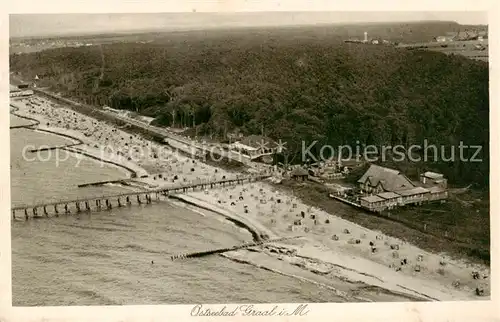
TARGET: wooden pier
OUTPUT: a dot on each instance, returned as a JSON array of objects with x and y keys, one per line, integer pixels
[{"x": 107, "y": 202}]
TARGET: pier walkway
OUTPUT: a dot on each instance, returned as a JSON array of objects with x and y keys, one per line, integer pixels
[{"x": 123, "y": 199}]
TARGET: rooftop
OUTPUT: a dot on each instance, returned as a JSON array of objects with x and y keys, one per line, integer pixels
[
  {"x": 436, "y": 189},
  {"x": 258, "y": 141},
  {"x": 351, "y": 162},
  {"x": 390, "y": 179},
  {"x": 388, "y": 195},
  {"x": 432, "y": 175},
  {"x": 413, "y": 191},
  {"x": 239, "y": 145},
  {"x": 299, "y": 171},
  {"x": 372, "y": 199}
]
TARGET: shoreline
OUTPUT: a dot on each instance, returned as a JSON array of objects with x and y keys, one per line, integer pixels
[
  {"x": 129, "y": 171},
  {"x": 69, "y": 148},
  {"x": 258, "y": 234},
  {"x": 13, "y": 112},
  {"x": 315, "y": 256},
  {"x": 318, "y": 249},
  {"x": 91, "y": 156},
  {"x": 240, "y": 256},
  {"x": 362, "y": 287}
]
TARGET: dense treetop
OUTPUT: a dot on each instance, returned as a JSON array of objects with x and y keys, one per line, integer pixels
[{"x": 296, "y": 86}]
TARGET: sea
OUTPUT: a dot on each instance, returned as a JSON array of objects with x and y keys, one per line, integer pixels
[{"x": 122, "y": 256}]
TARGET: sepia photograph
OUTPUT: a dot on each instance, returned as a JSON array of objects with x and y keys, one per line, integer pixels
[{"x": 199, "y": 158}]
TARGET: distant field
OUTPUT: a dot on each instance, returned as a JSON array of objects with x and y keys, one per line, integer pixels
[
  {"x": 34, "y": 45},
  {"x": 473, "y": 54},
  {"x": 407, "y": 32},
  {"x": 464, "y": 48}
]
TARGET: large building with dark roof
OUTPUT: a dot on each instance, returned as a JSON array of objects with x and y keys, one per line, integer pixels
[
  {"x": 379, "y": 179},
  {"x": 385, "y": 188}
]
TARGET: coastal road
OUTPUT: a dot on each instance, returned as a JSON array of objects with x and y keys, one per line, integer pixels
[
  {"x": 169, "y": 135},
  {"x": 162, "y": 132}
]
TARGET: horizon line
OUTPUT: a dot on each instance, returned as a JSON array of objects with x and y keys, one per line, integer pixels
[{"x": 167, "y": 29}]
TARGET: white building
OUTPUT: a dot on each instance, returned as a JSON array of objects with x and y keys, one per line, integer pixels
[
  {"x": 255, "y": 146},
  {"x": 17, "y": 92},
  {"x": 433, "y": 179}
]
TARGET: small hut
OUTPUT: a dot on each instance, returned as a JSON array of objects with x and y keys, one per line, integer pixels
[{"x": 299, "y": 173}]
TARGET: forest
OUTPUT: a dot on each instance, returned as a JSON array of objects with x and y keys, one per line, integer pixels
[{"x": 295, "y": 85}]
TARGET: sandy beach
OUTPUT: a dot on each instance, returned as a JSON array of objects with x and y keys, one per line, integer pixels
[
  {"x": 331, "y": 247},
  {"x": 363, "y": 255},
  {"x": 155, "y": 164}
]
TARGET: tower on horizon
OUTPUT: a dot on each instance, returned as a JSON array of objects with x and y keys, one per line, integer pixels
[{"x": 366, "y": 37}]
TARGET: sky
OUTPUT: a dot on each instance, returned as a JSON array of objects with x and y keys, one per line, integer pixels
[{"x": 25, "y": 25}]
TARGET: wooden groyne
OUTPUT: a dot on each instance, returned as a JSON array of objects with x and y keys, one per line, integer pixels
[
  {"x": 107, "y": 202},
  {"x": 53, "y": 148},
  {"x": 223, "y": 250},
  {"x": 100, "y": 183},
  {"x": 77, "y": 140},
  {"x": 90, "y": 155},
  {"x": 27, "y": 126},
  {"x": 119, "y": 181}
]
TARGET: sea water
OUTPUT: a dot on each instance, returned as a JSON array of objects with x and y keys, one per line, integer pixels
[{"x": 122, "y": 256}]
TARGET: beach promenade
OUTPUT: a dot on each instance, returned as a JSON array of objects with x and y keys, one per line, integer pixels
[{"x": 168, "y": 136}]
